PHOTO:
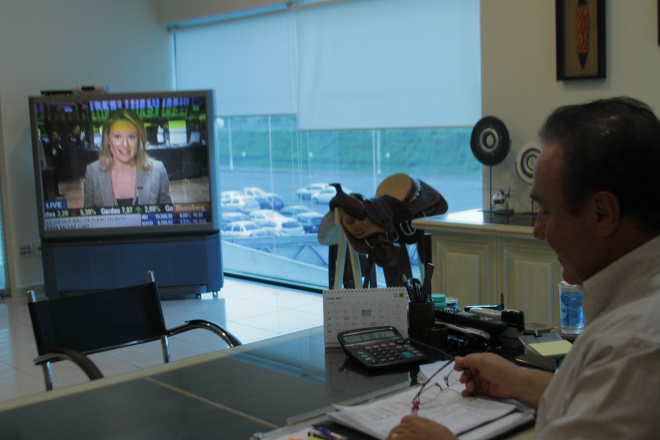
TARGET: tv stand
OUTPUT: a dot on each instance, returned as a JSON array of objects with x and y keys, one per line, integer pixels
[{"x": 183, "y": 264}]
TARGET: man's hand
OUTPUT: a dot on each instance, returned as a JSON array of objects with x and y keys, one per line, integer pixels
[
  {"x": 486, "y": 374},
  {"x": 416, "y": 428}
]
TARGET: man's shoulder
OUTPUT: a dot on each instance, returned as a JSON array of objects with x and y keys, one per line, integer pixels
[{"x": 625, "y": 329}]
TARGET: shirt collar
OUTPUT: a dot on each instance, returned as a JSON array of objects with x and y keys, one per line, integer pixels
[{"x": 612, "y": 286}]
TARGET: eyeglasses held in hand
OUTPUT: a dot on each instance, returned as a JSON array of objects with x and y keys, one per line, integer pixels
[{"x": 448, "y": 382}]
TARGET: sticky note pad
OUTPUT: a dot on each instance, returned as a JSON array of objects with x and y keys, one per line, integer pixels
[{"x": 552, "y": 348}]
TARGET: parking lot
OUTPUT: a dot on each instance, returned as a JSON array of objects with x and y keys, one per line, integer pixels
[{"x": 278, "y": 214}]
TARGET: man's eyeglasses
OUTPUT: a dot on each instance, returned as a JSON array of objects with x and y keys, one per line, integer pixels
[{"x": 431, "y": 390}]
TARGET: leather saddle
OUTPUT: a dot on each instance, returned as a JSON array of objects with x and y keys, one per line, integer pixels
[{"x": 381, "y": 226}]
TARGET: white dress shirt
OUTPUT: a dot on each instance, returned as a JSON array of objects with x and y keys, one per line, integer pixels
[{"x": 608, "y": 386}]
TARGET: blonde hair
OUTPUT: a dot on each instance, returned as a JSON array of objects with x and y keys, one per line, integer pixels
[{"x": 105, "y": 155}]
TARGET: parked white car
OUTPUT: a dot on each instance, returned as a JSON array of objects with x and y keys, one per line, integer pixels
[
  {"x": 238, "y": 203},
  {"x": 229, "y": 217},
  {"x": 294, "y": 210},
  {"x": 284, "y": 226},
  {"x": 307, "y": 192},
  {"x": 266, "y": 200},
  {"x": 311, "y": 221},
  {"x": 325, "y": 195},
  {"x": 228, "y": 194},
  {"x": 244, "y": 229},
  {"x": 254, "y": 191},
  {"x": 263, "y": 216}
]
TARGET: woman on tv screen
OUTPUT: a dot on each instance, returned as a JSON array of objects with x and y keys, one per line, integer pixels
[{"x": 125, "y": 175}]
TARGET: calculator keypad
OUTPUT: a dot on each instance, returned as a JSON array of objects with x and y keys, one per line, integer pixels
[{"x": 388, "y": 354}]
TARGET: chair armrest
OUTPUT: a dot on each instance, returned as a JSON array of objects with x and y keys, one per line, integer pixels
[
  {"x": 230, "y": 339},
  {"x": 80, "y": 359}
]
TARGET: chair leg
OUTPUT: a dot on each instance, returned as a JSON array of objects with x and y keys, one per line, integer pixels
[
  {"x": 165, "y": 344},
  {"x": 48, "y": 375}
]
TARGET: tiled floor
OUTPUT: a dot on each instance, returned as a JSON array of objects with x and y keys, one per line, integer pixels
[{"x": 251, "y": 311}]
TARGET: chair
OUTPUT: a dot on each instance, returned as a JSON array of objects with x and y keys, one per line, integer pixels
[{"x": 71, "y": 328}]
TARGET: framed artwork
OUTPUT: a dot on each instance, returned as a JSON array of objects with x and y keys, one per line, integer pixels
[{"x": 580, "y": 39}]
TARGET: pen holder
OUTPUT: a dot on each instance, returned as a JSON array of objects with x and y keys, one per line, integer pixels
[
  {"x": 436, "y": 336},
  {"x": 420, "y": 318}
]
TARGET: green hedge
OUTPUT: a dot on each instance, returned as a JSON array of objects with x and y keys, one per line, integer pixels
[{"x": 419, "y": 151}]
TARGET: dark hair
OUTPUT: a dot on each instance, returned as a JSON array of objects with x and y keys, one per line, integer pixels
[{"x": 609, "y": 144}]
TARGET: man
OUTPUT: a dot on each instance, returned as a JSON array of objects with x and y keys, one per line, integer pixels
[
  {"x": 54, "y": 153},
  {"x": 597, "y": 183}
]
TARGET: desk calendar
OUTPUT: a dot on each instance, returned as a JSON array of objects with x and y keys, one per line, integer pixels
[{"x": 352, "y": 309}]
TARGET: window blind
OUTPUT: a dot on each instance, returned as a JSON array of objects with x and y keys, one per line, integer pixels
[
  {"x": 371, "y": 64},
  {"x": 389, "y": 63},
  {"x": 251, "y": 64}
]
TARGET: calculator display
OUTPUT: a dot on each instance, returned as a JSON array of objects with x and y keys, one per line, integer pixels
[{"x": 369, "y": 336}]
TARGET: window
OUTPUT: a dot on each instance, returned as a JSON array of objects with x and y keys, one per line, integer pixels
[
  {"x": 296, "y": 167},
  {"x": 333, "y": 94},
  {"x": 3, "y": 257}
]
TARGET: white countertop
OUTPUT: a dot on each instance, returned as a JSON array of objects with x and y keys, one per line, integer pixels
[{"x": 476, "y": 220}]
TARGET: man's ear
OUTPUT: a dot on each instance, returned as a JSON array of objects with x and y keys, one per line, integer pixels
[{"x": 606, "y": 213}]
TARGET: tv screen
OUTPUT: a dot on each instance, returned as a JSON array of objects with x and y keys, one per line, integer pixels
[{"x": 129, "y": 164}]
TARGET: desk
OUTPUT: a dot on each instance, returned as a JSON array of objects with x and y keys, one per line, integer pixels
[{"x": 229, "y": 394}]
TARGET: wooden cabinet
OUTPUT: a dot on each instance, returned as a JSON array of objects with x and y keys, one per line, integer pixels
[
  {"x": 527, "y": 274},
  {"x": 480, "y": 262}
]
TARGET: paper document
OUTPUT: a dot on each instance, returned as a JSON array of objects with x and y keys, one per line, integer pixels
[
  {"x": 554, "y": 348},
  {"x": 446, "y": 406}
]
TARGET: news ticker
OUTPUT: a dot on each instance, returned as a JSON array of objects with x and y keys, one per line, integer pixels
[{"x": 60, "y": 217}]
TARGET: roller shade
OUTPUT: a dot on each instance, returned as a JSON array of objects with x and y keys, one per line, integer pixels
[
  {"x": 372, "y": 64},
  {"x": 389, "y": 63},
  {"x": 251, "y": 64}
]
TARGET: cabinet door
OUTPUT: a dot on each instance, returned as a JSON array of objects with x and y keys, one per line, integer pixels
[
  {"x": 529, "y": 277},
  {"x": 465, "y": 269}
]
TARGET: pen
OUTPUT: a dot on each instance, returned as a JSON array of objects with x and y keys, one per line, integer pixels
[
  {"x": 318, "y": 436},
  {"x": 406, "y": 284},
  {"x": 418, "y": 291},
  {"x": 426, "y": 285},
  {"x": 331, "y": 434}
]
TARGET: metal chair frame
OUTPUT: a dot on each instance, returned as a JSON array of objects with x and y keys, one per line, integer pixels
[{"x": 55, "y": 344}]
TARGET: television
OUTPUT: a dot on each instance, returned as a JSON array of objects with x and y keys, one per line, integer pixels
[{"x": 130, "y": 164}]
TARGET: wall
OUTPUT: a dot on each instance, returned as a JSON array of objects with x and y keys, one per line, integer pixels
[
  {"x": 519, "y": 83},
  {"x": 47, "y": 44}
]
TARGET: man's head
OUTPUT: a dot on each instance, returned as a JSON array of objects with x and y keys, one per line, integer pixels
[
  {"x": 597, "y": 181},
  {"x": 614, "y": 145}
]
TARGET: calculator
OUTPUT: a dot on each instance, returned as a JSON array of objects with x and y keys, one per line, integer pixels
[{"x": 380, "y": 347}]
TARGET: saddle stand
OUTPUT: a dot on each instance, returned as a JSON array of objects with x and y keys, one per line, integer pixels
[{"x": 342, "y": 249}]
